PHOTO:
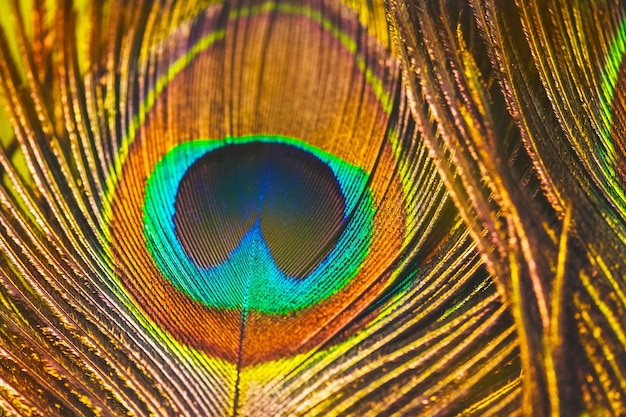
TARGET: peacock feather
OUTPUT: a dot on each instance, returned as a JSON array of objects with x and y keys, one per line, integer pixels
[{"x": 312, "y": 207}]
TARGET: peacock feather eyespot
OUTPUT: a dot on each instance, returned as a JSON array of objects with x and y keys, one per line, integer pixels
[
  {"x": 258, "y": 231},
  {"x": 250, "y": 217},
  {"x": 257, "y": 225}
]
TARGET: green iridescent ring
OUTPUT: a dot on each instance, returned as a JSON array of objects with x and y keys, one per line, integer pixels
[{"x": 248, "y": 276}]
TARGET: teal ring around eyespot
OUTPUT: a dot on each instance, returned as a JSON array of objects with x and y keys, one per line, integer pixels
[{"x": 225, "y": 286}]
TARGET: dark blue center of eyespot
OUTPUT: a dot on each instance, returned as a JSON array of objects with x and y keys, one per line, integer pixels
[{"x": 290, "y": 195}]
